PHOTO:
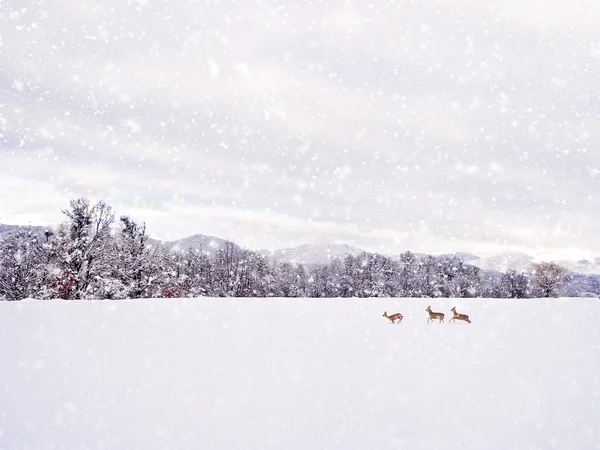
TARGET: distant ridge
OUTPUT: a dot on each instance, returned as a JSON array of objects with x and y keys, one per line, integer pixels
[
  {"x": 325, "y": 253},
  {"x": 313, "y": 254},
  {"x": 522, "y": 262},
  {"x": 466, "y": 257},
  {"x": 208, "y": 244},
  {"x": 7, "y": 230},
  {"x": 519, "y": 262}
]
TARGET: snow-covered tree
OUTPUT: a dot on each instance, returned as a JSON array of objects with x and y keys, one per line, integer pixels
[
  {"x": 81, "y": 246},
  {"x": 547, "y": 277},
  {"x": 136, "y": 261},
  {"x": 428, "y": 277},
  {"x": 227, "y": 269},
  {"x": 22, "y": 265},
  {"x": 284, "y": 278},
  {"x": 514, "y": 285},
  {"x": 300, "y": 281},
  {"x": 408, "y": 281},
  {"x": 198, "y": 272},
  {"x": 324, "y": 280}
]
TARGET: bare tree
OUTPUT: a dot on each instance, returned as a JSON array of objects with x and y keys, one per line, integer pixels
[{"x": 547, "y": 277}]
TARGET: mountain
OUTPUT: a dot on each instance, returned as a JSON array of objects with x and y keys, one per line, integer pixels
[
  {"x": 522, "y": 262},
  {"x": 583, "y": 266},
  {"x": 7, "y": 230},
  {"x": 324, "y": 253},
  {"x": 519, "y": 262},
  {"x": 313, "y": 253},
  {"x": 208, "y": 244},
  {"x": 466, "y": 257}
]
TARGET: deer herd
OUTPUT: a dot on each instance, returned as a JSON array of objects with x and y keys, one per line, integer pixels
[{"x": 432, "y": 316}]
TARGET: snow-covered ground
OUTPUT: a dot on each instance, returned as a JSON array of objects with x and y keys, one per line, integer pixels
[{"x": 299, "y": 374}]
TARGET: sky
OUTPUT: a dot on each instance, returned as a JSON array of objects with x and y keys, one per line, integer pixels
[{"x": 430, "y": 126}]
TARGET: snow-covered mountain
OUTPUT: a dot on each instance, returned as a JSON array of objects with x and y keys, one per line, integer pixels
[
  {"x": 583, "y": 266},
  {"x": 7, "y": 230},
  {"x": 466, "y": 257},
  {"x": 207, "y": 244},
  {"x": 519, "y": 262},
  {"x": 324, "y": 253},
  {"x": 313, "y": 254}
]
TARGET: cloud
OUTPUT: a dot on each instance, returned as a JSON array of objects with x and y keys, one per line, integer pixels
[{"x": 442, "y": 127}]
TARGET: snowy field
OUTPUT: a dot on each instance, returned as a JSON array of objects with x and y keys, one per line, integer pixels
[{"x": 299, "y": 374}]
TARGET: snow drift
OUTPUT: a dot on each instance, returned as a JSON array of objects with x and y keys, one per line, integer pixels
[{"x": 220, "y": 373}]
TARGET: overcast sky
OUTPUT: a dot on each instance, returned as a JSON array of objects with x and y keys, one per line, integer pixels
[{"x": 431, "y": 126}]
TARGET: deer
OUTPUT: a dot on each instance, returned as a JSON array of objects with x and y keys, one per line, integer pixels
[
  {"x": 434, "y": 315},
  {"x": 459, "y": 316},
  {"x": 394, "y": 317}
]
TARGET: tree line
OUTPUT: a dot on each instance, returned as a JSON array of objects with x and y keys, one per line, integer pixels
[{"x": 90, "y": 257}]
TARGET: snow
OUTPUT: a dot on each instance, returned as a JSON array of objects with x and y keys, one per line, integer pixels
[{"x": 222, "y": 373}]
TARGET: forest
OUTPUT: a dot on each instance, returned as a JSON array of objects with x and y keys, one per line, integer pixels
[{"x": 91, "y": 255}]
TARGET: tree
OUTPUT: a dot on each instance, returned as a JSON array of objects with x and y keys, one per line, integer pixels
[
  {"x": 324, "y": 280},
  {"x": 65, "y": 285},
  {"x": 428, "y": 277},
  {"x": 284, "y": 277},
  {"x": 547, "y": 277},
  {"x": 198, "y": 271},
  {"x": 136, "y": 261},
  {"x": 81, "y": 245},
  {"x": 596, "y": 287},
  {"x": 300, "y": 282},
  {"x": 22, "y": 269},
  {"x": 408, "y": 284},
  {"x": 383, "y": 271},
  {"x": 514, "y": 285},
  {"x": 358, "y": 276},
  {"x": 468, "y": 282}
]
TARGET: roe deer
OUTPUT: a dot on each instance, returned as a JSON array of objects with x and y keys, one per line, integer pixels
[
  {"x": 434, "y": 315},
  {"x": 394, "y": 317},
  {"x": 459, "y": 316}
]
